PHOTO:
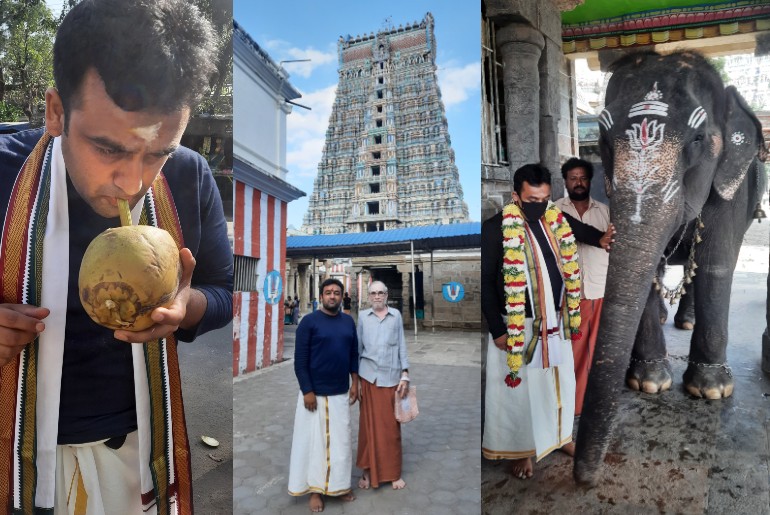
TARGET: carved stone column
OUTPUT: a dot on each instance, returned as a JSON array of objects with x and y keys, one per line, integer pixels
[{"x": 521, "y": 46}]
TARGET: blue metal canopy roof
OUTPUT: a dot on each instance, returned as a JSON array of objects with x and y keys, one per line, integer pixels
[{"x": 425, "y": 238}]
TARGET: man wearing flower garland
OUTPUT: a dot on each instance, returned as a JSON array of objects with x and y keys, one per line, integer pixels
[
  {"x": 530, "y": 288},
  {"x": 577, "y": 175}
]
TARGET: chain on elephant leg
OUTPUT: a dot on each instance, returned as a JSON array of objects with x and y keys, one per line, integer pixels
[
  {"x": 709, "y": 380},
  {"x": 649, "y": 375}
]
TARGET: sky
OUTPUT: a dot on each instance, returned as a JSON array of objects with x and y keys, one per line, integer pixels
[{"x": 305, "y": 29}]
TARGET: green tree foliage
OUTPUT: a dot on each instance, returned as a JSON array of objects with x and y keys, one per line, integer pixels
[
  {"x": 719, "y": 65},
  {"x": 220, "y": 97},
  {"x": 27, "y": 31},
  {"x": 27, "y": 28}
]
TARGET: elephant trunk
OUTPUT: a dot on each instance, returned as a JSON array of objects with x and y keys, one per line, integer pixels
[{"x": 634, "y": 257}]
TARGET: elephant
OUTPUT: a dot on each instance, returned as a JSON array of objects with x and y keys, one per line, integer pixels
[{"x": 682, "y": 154}]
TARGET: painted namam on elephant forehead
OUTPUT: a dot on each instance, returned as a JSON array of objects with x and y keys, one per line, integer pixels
[{"x": 646, "y": 148}]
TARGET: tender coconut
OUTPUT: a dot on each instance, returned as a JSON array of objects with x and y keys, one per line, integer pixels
[{"x": 126, "y": 273}]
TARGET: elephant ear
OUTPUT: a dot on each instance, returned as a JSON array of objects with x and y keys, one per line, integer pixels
[{"x": 742, "y": 142}]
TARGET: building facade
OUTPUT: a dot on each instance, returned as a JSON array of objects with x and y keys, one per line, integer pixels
[
  {"x": 387, "y": 161},
  {"x": 261, "y": 194}
]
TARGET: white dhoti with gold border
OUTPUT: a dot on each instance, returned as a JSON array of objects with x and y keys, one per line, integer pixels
[
  {"x": 321, "y": 451},
  {"x": 536, "y": 417},
  {"x": 94, "y": 479}
]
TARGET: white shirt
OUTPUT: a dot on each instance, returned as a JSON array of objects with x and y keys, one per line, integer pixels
[
  {"x": 593, "y": 260},
  {"x": 381, "y": 347}
]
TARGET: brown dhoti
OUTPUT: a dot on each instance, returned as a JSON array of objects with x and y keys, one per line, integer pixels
[
  {"x": 379, "y": 434},
  {"x": 583, "y": 348}
]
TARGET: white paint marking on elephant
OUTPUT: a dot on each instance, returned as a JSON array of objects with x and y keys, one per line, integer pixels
[
  {"x": 651, "y": 104},
  {"x": 655, "y": 93},
  {"x": 697, "y": 117},
  {"x": 644, "y": 140},
  {"x": 738, "y": 138},
  {"x": 648, "y": 107},
  {"x": 605, "y": 119},
  {"x": 669, "y": 190},
  {"x": 646, "y": 136}
]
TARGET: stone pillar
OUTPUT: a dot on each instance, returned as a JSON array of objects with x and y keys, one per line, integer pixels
[
  {"x": 355, "y": 300},
  {"x": 290, "y": 286},
  {"x": 550, "y": 114},
  {"x": 306, "y": 296},
  {"x": 520, "y": 47},
  {"x": 406, "y": 291}
]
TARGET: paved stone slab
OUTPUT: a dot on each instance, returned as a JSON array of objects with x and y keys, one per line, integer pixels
[{"x": 441, "y": 447}]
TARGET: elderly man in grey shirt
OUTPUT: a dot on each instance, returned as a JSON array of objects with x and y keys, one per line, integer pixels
[{"x": 384, "y": 374}]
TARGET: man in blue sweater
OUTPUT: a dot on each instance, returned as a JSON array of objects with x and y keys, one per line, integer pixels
[
  {"x": 326, "y": 365},
  {"x": 93, "y": 417}
]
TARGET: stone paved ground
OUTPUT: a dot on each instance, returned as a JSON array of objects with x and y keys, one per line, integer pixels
[
  {"x": 441, "y": 447},
  {"x": 672, "y": 453}
]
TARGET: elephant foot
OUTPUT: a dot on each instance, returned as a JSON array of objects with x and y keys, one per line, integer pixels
[
  {"x": 709, "y": 381},
  {"x": 684, "y": 324},
  {"x": 649, "y": 376}
]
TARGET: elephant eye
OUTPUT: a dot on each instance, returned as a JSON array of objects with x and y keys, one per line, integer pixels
[{"x": 698, "y": 138}]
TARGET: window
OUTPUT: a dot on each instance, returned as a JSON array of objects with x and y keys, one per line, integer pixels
[
  {"x": 374, "y": 187},
  {"x": 371, "y": 227},
  {"x": 379, "y": 123},
  {"x": 379, "y": 93},
  {"x": 373, "y": 208},
  {"x": 375, "y": 170},
  {"x": 245, "y": 273},
  {"x": 376, "y": 155},
  {"x": 379, "y": 109},
  {"x": 380, "y": 80},
  {"x": 377, "y": 140}
]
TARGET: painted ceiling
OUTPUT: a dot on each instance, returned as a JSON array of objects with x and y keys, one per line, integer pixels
[{"x": 599, "y": 24}]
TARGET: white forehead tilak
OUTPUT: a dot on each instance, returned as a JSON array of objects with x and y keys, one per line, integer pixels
[{"x": 148, "y": 133}]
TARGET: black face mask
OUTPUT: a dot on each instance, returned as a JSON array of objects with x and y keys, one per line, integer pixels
[{"x": 533, "y": 210}]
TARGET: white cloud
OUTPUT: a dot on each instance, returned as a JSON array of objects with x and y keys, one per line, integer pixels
[
  {"x": 306, "y": 131},
  {"x": 281, "y": 50},
  {"x": 458, "y": 82}
]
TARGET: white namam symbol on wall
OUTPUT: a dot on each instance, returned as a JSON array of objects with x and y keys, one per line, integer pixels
[{"x": 738, "y": 138}]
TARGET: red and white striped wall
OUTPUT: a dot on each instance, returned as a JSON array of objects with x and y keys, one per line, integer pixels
[{"x": 260, "y": 232}]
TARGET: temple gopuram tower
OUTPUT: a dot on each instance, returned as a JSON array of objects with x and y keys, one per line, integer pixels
[{"x": 387, "y": 162}]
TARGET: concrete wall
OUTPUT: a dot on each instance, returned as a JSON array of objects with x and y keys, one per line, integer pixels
[{"x": 259, "y": 134}]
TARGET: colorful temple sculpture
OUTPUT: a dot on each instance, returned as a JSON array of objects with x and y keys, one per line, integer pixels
[{"x": 387, "y": 161}]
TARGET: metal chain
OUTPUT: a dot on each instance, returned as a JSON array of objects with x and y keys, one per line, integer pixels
[
  {"x": 681, "y": 237},
  {"x": 649, "y": 361},
  {"x": 673, "y": 295},
  {"x": 723, "y": 366}
]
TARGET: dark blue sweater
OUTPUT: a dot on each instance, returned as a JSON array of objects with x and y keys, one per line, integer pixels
[
  {"x": 97, "y": 393},
  {"x": 325, "y": 353}
]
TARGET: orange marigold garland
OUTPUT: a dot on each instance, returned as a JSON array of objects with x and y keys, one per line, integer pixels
[{"x": 515, "y": 280}]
